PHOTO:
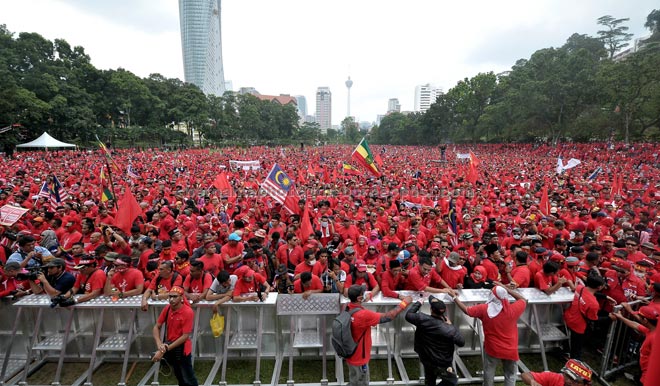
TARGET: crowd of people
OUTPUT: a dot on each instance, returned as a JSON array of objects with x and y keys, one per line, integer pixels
[{"x": 420, "y": 225}]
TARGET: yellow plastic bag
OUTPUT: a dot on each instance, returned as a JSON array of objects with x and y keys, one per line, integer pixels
[{"x": 217, "y": 324}]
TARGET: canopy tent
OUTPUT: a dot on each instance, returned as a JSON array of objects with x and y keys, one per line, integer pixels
[{"x": 46, "y": 141}]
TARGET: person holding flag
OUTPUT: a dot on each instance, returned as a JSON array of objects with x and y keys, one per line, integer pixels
[{"x": 363, "y": 155}]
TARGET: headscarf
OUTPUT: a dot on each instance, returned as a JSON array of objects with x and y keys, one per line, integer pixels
[
  {"x": 483, "y": 272},
  {"x": 48, "y": 239},
  {"x": 497, "y": 300}
]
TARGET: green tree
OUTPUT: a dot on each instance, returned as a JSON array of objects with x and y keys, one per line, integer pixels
[
  {"x": 350, "y": 129},
  {"x": 615, "y": 35}
]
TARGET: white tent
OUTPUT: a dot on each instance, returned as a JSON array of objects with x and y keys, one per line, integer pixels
[{"x": 46, "y": 141}]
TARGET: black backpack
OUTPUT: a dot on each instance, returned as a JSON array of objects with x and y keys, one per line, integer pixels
[{"x": 342, "y": 339}]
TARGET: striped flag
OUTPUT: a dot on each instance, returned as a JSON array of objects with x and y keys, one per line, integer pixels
[
  {"x": 350, "y": 169},
  {"x": 363, "y": 155},
  {"x": 106, "y": 193},
  {"x": 453, "y": 225},
  {"x": 595, "y": 174},
  {"x": 108, "y": 156},
  {"x": 54, "y": 191},
  {"x": 277, "y": 184}
]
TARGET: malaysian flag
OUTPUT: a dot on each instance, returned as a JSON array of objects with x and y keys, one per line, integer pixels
[
  {"x": 131, "y": 172},
  {"x": 54, "y": 191},
  {"x": 277, "y": 184}
]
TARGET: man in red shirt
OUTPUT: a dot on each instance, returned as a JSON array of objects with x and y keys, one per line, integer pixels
[
  {"x": 547, "y": 280},
  {"x": 647, "y": 317},
  {"x": 499, "y": 320},
  {"x": 176, "y": 347},
  {"x": 9, "y": 285},
  {"x": 361, "y": 323},
  {"x": 213, "y": 262},
  {"x": 309, "y": 265},
  {"x": 392, "y": 280},
  {"x": 197, "y": 283},
  {"x": 521, "y": 276},
  {"x": 307, "y": 284},
  {"x": 159, "y": 286},
  {"x": 290, "y": 254},
  {"x": 583, "y": 309},
  {"x": 248, "y": 285},
  {"x": 421, "y": 276},
  {"x": 361, "y": 277},
  {"x": 90, "y": 281},
  {"x": 232, "y": 253},
  {"x": 574, "y": 373},
  {"x": 452, "y": 270},
  {"x": 123, "y": 279}
]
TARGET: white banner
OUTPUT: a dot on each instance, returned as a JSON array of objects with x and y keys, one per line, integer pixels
[
  {"x": 463, "y": 155},
  {"x": 569, "y": 165},
  {"x": 245, "y": 165},
  {"x": 9, "y": 214}
]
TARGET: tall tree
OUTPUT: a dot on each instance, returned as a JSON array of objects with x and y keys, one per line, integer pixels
[{"x": 615, "y": 36}]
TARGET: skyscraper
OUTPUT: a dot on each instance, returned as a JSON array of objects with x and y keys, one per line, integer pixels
[
  {"x": 324, "y": 109},
  {"x": 393, "y": 106},
  {"x": 302, "y": 105},
  {"x": 202, "y": 45},
  {"x": 425, "y": 96}
]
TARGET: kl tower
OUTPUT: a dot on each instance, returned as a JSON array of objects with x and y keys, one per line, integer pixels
[{"x": 349, "y": 84}]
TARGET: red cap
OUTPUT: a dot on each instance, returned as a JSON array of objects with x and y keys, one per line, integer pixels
[
  {"x": 608, "y": 238},
  {"x": 648, "y": 312},
  {"x": 361, "y": 266}
]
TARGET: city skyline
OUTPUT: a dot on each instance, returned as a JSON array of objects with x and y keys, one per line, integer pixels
[{"x": 383, "y": 44}]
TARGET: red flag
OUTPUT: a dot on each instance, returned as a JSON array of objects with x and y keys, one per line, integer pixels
[
  {"x": 291, "y": 201},
  {"x": 129, "y": 209},
  {"x": 473, "y": 174},
  {"x": 222, "y": 184},
  {"x": 379, "y": 161},
  {"x": 617, "y": 185},
  {"x": 544, "y": 205},
  {"x": 305, "y": 224},
  {"x": 474, "y": 160},
  {"x": 301, "y": 176}
]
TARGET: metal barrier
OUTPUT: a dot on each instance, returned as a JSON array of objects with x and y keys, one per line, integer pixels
[
  {"x": 621, "y": 348},
  {"x": 31, "y": 333}
]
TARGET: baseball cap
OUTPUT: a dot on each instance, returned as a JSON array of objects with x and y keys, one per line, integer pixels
[
  {"x": 260, "y": 233},
  {"x": 647, "y": 312},
  {"x": 622, "y": 265},
  {"x": 437, "y": 305},
  {"x": 234, "y": 237},
  {"x": 176, "y": 290},
  {"x": 572, "y": 261},
  {"x": 84, "y": 262},
  {"x": 111, "y": 256},
  {"x": 361, "y": 266},
  {"x": 435, "y": 245},
  {"x": 349, "y": 251},
  {"x": 608, "y": 238}
]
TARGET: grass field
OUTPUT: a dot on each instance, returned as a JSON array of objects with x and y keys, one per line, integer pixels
[{"x": 243, "y": 371}]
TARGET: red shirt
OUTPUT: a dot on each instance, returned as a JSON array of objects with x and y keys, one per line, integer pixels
[
  {"x": 645, "y": 350},
  {"x": 501, "y": 332},
  {"x": 197, "y": 286},
  {"x": 243, "y": 287},
  {"x": 179, "y": 322},
  {"x": 389, "y": 284},
  {"x": 584, "y": 306},
  {"x": 286, "y": 255},
  {"x": 361, "y": 324},
  {"x": 11, "y": 284},
  {"x": 417, "y": 282},
  {"x": 213, "y": 264},
  {"x": 492, "y": 272},
  {"x": 227, "y": 251},
  {"x": 315, "y": 285},
  {"x": 127, "y": 280},
  {"x": 548, "y": 378},
  {"x": 522, "y": 276},
  {"x": 316, "y": 269},
  {"x": 165, "y": 284},
  {"x": 369, "y": 280},
  {"x": 543, "y": 281},
  {"x": 452, "y": 276},
  {"x": 95, "y": 281}
]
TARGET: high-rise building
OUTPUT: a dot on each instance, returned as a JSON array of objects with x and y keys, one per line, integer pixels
[
  {"x": 202, "y": 45},
  {"x": 302, "y": 105},
  {"x": 324, "y": 109},
  {"x": 393, "y": 106},
  {"x": 425, "y": 96}
]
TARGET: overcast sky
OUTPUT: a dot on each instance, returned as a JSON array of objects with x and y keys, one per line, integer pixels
[{"x": 294, "y": 46}]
